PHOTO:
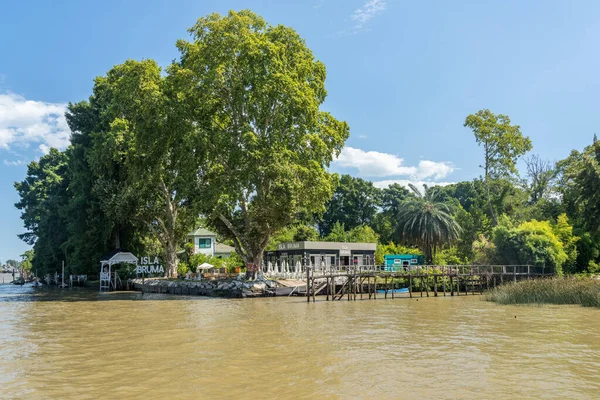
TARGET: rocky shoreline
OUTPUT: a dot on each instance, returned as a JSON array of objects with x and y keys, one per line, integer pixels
[{"x": 219, "y": 288}]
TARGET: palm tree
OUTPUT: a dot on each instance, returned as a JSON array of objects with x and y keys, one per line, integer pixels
[{"x": 427, "y": 221}]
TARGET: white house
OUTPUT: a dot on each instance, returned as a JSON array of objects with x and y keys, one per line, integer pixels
[{"x": 205, "y": 242}]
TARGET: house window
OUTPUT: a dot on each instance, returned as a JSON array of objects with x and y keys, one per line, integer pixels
[{"x": 204, "y": 243}]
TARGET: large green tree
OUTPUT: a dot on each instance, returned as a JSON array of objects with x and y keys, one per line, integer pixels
[
  {"x": 502, "y": 143},
  {"x": 530, "y": 243},
  {"x": 426, "y": 221},
  {"x": 152, "y": 137},
  {"x": 260, "y": 89},
  {"x": 43, "y": 200},
  {"x": 91, "y": 233},
  {"x": 354, "y": 203},
  {"x": 384, "y": 223}
]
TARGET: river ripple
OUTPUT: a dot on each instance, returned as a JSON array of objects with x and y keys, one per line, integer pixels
[{"x": 80, "y": 344}]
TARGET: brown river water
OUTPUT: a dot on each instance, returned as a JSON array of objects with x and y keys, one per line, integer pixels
[{"x": 79, "y": 344}]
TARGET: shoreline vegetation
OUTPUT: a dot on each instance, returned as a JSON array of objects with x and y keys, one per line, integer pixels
[{"x": 584, "y": 291}]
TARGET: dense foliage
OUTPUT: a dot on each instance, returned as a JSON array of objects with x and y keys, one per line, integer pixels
[{"x": 233, "y": 132}]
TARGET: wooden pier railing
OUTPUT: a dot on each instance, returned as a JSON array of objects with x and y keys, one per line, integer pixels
[{"x": 365, "y": 282}]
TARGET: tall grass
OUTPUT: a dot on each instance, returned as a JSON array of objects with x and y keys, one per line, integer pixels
[{"x": 571, "y": 290}]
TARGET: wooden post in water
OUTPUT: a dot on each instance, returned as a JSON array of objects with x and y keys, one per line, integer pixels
[
  {"x": 386, "y": 286},
  {"x": 393, "y": 286},
  {"x": 313, "y": 286},
  {"x": 444, "y": 278},
  {"x": 308, "y": 284},
  {"x": 472, "y": 279},
  {"x": 327, "y": 288},
  {"x": 451, "y": 285},
  {"x": 435, "y": 294},
  {"x": 409, "y": 285},
  {"x": 349, "y": 287},
  {"x": 362, "y": 286},
  {"x": 374, "y": 287}
]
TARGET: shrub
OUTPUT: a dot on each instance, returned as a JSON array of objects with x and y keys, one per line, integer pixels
[{"x": 533, "y": 242}]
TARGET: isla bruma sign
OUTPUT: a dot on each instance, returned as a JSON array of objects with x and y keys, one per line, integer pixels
[
  {"x": 149, "y": 266},
  {"x": 288, "y": 246}
]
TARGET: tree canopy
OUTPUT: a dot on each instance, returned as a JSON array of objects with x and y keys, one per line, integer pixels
[{"x": 257, "y": 90}]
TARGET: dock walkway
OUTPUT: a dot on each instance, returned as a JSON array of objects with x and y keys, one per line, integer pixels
[{"x": 453, "y": 280}]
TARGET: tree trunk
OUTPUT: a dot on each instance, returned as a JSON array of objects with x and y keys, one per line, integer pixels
[
  {"x": 117, "y": 238},
  {"x": 171, "y": 260},
  {"x": 256, "y": 260},
  {"x": 487, "y": 185},
  {"x": 489, "y": 200}
]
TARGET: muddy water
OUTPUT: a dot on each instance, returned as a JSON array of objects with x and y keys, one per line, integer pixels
[{"x": 83, "y": 345}]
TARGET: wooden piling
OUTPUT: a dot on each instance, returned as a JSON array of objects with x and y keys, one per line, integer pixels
[
  {"x": 385, "y": 287},
  {"x": 308, "y": 284},
  {"x": 349, "y": 287},
  {"x": 374, "y": 287}
]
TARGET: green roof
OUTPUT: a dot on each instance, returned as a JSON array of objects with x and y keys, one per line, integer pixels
[{"x": 202, "y": 232}]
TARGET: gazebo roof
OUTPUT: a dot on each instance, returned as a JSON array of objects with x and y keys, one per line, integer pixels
[{"x": 118, "y": 256}]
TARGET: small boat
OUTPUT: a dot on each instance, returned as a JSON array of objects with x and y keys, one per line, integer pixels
[{"x": 402, "y": 290}]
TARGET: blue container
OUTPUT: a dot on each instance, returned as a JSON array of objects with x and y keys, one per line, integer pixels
[{"x": 396, "y": 262}]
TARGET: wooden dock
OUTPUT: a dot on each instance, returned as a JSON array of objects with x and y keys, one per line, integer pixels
[{"x": 452, "y": 280}]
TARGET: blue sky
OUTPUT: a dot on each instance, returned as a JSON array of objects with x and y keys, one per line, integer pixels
[{"x": 403, "y": 74}]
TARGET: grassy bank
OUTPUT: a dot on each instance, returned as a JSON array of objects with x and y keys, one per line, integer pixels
[{"x": 572, "y": 290}]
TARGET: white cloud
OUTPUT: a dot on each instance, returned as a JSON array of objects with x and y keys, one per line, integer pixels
[
  {"x": 405, "y": 182},
  {"x": 366, "y": 13},
  {"x": 25, "y": 122},
  {"x": 14, "y": 163},
  {"x": 377, "y": 164},
  {"x": 362, "y": 137}
]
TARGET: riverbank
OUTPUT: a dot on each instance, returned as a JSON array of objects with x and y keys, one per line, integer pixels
[
  {"x": 219, "y": 288},
  {"x": 584, "y": 291}
]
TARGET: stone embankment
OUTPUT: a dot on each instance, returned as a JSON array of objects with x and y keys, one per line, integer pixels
[{"x": 218, "y": 288}]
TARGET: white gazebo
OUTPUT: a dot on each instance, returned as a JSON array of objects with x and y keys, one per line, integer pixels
[{"x": 108, "y": 277}]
